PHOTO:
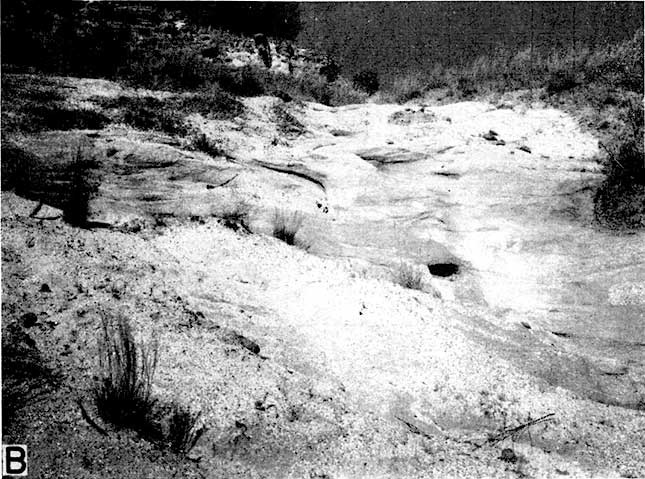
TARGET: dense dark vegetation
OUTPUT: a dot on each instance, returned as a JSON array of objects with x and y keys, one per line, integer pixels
[{"x": 140, "y": 44}]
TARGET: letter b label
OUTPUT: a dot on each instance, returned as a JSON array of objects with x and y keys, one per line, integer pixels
[{"x": 14, "y": 460}]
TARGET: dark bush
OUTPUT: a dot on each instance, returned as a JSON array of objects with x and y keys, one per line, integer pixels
[
  {"x": 210, "y": 102},
  {"x": 244, "y": 81},
  {"x": 367, "y": 81},
  {"x": 466, "y": 87},
  {"x": 212, "y": 147},
  {"x": 211, "y": 51},
  {"x": 620, "y": 200},
  {"x": 331, "y": 71},
  {"x": 53, "y": 117},
  {"x": 148, "y": 113},
  {"x": 560, "y": 81},
  {"x": 160, "y": 64}
]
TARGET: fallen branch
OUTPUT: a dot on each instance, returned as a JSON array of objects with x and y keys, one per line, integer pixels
[
  {"x": 611, "y": 154},
  {"x": 89, "y": 420},
  {"x": 512, "y": 431},
  {"x": 228, "y": 181}
]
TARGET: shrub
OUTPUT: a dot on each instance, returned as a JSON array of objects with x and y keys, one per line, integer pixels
[
  {"x": 620, "y": 200},
  {"x": 203, "y": 143},
  {"x": 245, "y": 81},
  {"x": 167, "y": 114},
  {"x": 286, "y": 225},
  {"x": 342, "y": 92},
  {"x": 367, "y": 81},
  {"x": 34, "y": 117},
  {"x": 236, "y": 216},
  {"x": 561, "y": 80},
  {"x": 406, "y": 88},
  {"x": 123, "y": 391},
  {"x": 330, "y": 71},
  {"x": 210, "y": 102},
  {"x": 162, "y": 64},
  {"x": 286, "y": 122},
  {"x": 466, "y": 87},
  {"x": 409, "y": 277},
  {"x": 148, "y": 113}
]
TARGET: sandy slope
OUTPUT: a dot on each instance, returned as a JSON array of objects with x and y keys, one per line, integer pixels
[{"x": 366, "y": 378}]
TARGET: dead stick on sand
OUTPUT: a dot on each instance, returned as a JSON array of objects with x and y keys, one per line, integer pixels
[
  {"x": 517, "y": 429},
  {"x": 228, "y": 181},
  {"x": 89, "y": 420}
]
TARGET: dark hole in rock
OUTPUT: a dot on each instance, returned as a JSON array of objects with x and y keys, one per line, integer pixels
[{"x": 443, "y": 269}]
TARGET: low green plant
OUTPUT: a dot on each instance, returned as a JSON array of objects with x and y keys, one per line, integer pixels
[{"x": 287, "y": 224}]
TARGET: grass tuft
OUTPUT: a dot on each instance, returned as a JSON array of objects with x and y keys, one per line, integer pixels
[
  {"x": 409, "y": 277},
  {"x": 83, "y": 186},
  {"x": 123, "y": 392},
  {"x": 286, "y": 225},
  {"x": 183, "y": 428},
  {"x": 236, "y": 216},
  {"x": 212, "y": 147}
]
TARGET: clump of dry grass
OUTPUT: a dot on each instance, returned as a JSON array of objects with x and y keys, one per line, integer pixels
[
  {"x": 236, "y": 215},
  {"x": 408, "y": 276},
  {"x": 123, "y": 392},
  {"x": 203, "y": 143},
  {"x": 83, "y": 185},
  {"x": 286, "y": 225},
  {"x": 183, "y": 428}
]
